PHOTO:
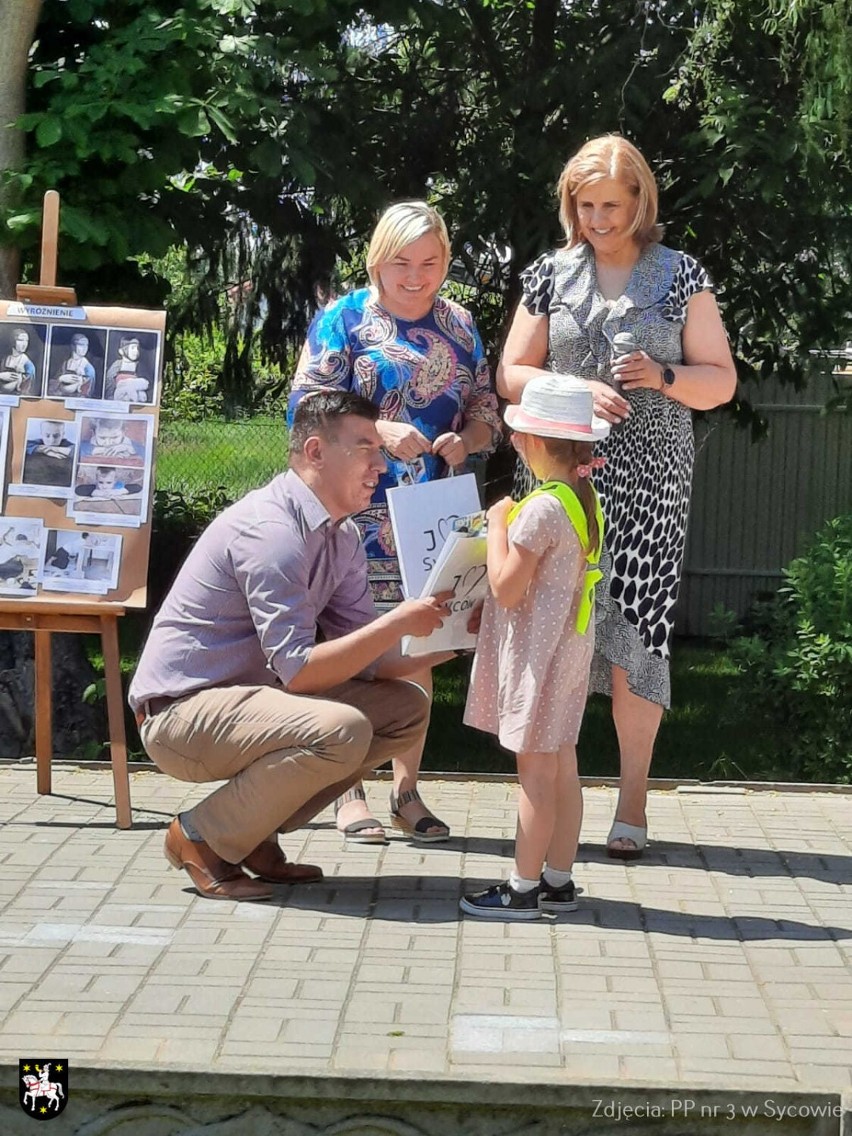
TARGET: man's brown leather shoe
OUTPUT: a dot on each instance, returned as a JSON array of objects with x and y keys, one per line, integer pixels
[
  {"x": 214, "y": 878},
  {"x": 270, "y": 863}
]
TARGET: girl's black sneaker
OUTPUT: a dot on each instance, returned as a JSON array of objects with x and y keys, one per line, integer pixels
[
  {"x": 502, "y": 902},
  {"x": 557, "y": 898}
]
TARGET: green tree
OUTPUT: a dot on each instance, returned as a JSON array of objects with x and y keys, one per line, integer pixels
[
  {"x": 478, "y": 104},
  {"x": 264, "y": 138},
  {"x": 816, "y": 40},
  {"x": 770, "y": 199},
  {"x": 17, "y": 26},
  {"x": 487, "y": 100},
  {"x": 164, "y": 125},
  {"x": 73, "y": 722}
]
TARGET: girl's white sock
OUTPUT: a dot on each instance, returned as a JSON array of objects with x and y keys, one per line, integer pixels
[
  {"x": 555, "y": 878},
  {"x": 520, "y": 884}
]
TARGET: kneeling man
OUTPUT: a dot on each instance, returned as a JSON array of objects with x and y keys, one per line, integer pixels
[{"x": 267, "y": 666}]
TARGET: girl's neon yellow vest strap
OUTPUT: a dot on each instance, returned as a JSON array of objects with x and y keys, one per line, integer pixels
[{"x": 577, "y": 516}]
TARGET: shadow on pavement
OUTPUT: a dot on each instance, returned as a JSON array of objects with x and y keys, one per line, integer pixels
[{"x": 390, "y": 898}]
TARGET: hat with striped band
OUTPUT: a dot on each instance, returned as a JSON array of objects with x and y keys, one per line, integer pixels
[{"x": 557, "y": 406}]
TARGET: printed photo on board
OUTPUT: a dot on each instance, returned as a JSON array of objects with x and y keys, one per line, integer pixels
[
  {"x": 20, "y": 553},
  {"x": 22, "y": 358},
  {"x": 48, "y": 461},
  {"x": 107, "y": 494},
  {"x": 77, "y": 561},
  {"x": 5, "y": 423},
  {"x": 116, "y": 440},
  {"x": 132, "y": 361},
  {"x": 76, "y": 362},
  {"x": 107, "y": 483}
]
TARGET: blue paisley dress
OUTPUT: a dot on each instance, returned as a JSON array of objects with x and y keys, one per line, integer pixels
[
  {"x": 430, "y": 372},
  {"x": 646, "y": 483}
]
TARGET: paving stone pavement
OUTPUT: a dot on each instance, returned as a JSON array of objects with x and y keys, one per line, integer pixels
[{"x": 721, "y": 960}]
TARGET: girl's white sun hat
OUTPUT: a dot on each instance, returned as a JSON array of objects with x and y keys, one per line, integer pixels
[{"x": 557, "y": 406}]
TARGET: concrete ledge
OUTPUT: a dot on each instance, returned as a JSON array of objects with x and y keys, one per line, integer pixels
[
  {"x": 660, "y": 784},
  {"x": 138, "y": 1102}
]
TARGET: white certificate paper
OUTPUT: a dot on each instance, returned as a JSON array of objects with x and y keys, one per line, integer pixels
[
  {"x": 460, "y": 569},
  {"x": 422, "y": 517}
]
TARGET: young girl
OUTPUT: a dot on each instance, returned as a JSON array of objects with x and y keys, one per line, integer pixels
[{"x": 531, "y": 671}]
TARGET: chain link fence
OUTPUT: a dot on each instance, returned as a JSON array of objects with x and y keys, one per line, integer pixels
[{"x": 235, "y": 454}]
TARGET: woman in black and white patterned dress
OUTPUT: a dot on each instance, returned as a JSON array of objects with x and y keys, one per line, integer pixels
[{"x": 615, "y": 277}]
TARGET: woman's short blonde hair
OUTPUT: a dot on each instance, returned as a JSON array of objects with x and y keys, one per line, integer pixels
[
  {"x": 398, "y": 226},
  {"x": 609, "y": 156}
]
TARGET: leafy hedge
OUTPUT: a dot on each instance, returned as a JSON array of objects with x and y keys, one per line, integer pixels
[{"x": 796, "y": 668}]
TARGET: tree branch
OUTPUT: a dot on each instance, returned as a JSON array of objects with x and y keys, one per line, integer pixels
[{"x": 17, "y": 28}]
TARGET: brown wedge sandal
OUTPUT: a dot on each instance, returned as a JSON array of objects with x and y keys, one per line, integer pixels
[{"x": 420, "y": 831}]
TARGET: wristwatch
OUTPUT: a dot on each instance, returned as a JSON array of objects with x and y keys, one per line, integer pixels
[{"x": 668, "y": 376}]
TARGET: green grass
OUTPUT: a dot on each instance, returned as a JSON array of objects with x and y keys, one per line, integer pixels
[
  {"x": 699, "y": 737},
  {"x": 240, "y": 455}
]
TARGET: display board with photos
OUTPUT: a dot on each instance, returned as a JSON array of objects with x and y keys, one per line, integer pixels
[{"x": 79, "y": 408}]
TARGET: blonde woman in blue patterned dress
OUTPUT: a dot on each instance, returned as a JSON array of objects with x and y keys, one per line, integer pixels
[
  {"x": 419, "y": 357},
  {"x": 615, "y": 277}
]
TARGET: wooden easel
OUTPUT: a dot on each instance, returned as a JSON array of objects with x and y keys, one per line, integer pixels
[
  {"x": 46, "y": 291},
  {"x": 96, "y": 618},
  {"x": 48, "y": 615}
]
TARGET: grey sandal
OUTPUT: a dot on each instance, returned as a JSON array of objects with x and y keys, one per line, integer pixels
[{"x": 357, "y": 831}]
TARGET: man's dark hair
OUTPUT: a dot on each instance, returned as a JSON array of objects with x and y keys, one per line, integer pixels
[{"x": 319, "y": 411}]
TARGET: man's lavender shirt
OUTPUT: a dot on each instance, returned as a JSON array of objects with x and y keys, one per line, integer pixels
[{"x": 245, "y": 606}]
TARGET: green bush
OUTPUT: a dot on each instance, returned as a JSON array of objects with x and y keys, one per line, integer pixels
[
  {"x": 192, "y": 379},
  {"x": 796, "y": 668},
  {"x": 188, "y": 514}
]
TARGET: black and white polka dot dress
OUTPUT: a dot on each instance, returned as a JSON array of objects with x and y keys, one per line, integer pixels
[{"x": 646, "y": 483}]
